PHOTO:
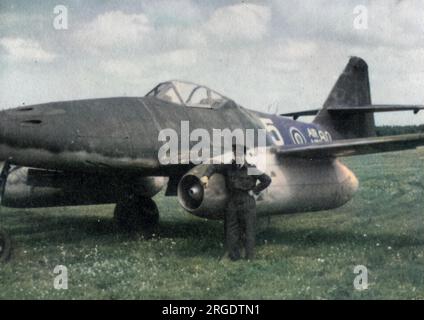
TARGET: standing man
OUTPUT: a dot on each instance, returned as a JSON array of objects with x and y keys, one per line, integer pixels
[{"x": 240, "y": 213}]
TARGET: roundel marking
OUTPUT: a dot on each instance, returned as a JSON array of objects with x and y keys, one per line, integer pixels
[{"x": 297, "y": 136}]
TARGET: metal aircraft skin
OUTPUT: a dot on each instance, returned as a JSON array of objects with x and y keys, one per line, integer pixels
[{"x": 106, "y": 150}]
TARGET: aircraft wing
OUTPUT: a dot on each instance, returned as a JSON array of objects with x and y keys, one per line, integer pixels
[{"x": 351, "y": 147}]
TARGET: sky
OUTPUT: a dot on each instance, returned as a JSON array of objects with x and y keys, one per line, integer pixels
[{"x": 277, "y": 56}]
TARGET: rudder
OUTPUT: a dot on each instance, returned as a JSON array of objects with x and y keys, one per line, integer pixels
[{"x": 352, "y": 89}]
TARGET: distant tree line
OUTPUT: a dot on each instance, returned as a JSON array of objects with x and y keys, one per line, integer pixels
[{"x": 395, "y": 130}]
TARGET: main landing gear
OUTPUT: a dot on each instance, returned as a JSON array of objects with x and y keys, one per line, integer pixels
[{"x": 137, "y": 214}]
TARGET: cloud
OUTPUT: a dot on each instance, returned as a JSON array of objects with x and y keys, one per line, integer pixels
[
  {"x": 258, "y": 53},
  {"x": 173, "y": 12},
  {"x": 134, "y": 70},
  {"x": 25, "y": 50},
  {"x": 115, "y": 28},
  {"x": 240, "y": 22},
  {"x": 122, "y": 68},
  {"x": 173, "y": 38},
  {"x": 288, "y": 56},
  {"x": 391, "y": 23}
]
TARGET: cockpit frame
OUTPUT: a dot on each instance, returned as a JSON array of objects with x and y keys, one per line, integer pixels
[{"x": 169, "y": 91}]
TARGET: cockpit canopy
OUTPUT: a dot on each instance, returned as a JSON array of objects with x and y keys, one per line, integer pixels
[{"x": 187, "y": 94}]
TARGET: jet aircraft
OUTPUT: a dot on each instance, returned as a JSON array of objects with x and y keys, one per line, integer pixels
[{"x": 98, "y": 151}]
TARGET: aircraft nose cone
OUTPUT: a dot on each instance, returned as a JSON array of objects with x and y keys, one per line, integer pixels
[
  {"x": 4, "y": 123},
  {"x": 11, "y": 123},
  {"x": 195, "y": 192},
  {"x": 21, "y": 129}
]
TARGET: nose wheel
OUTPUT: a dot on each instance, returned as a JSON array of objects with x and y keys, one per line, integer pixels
[
  {"x": 4, "y": 246},
  {"x": 137, "y": 214}
]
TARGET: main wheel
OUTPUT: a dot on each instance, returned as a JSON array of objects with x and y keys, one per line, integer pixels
[
  {"x": 4, "y": 246},
  {"x": 137, "y": 214}
]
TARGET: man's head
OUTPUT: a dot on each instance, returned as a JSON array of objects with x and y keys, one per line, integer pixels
[{"x": 239, "y": 153}]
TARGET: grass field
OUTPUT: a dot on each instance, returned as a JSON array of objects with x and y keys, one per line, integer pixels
[{"x": 309, "y": 255}]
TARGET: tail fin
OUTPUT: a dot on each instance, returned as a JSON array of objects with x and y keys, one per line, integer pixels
[{"x": 351, "y": 89}]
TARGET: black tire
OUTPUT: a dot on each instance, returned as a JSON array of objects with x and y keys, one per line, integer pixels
[
  {"x": 137, "y": 214},
  {"x": 5, "y": 246}
]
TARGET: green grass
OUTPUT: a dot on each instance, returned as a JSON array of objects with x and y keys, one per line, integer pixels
[{"x": 309, "y": 255}]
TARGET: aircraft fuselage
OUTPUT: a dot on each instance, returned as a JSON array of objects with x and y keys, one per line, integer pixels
[{"x": 108, "y": 135}]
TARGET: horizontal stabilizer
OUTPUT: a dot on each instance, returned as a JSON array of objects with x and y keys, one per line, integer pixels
[
  {"x": 351, "y": 147},
  {"x": 296, "y": 115},
  {"x": 358, "y": 109}
]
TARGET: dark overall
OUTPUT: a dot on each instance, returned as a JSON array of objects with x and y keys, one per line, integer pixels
[{"x": 240, "y": 215}]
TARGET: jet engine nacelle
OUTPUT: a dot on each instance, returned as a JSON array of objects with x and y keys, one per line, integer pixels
[
  {"x": 203, "y": 202},
  {"x": 31, "y": 188}
]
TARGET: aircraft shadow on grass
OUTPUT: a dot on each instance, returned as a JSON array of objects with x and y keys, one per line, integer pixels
[{"x": 203, "y": 237}]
